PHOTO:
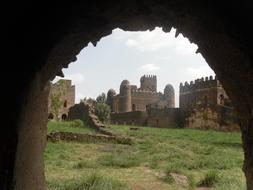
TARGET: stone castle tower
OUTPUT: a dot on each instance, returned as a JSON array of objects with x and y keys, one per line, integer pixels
[
  {"x": 149, "y": 83},
  {"x": 169, "y": 95},
  {"x": 125, "y": 97},
  {"x": 132, "y": 98}
]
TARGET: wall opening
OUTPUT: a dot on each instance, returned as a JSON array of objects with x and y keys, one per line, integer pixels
[{"x": 100, "y": 70}]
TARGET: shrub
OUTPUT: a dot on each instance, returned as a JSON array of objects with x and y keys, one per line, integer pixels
[
  {"x": 77, "y": 123},
  {"x": 103, "y": 112}
]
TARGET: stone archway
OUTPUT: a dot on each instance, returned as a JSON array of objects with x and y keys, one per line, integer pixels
[{"x": 51, "y": 35}]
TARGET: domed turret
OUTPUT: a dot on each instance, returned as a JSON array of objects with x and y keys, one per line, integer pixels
[
  {"x": 110, "y": 94},
  {"x": 125, "y": 82},
  {"x": 125, "y": 97},
  {"x": 169, "y": 95}
]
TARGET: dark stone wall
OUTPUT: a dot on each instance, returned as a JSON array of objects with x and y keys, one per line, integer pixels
[
  {"x": 166, "y": 118},
  {"x": 218, "y": 117},
  {"x": 130, "y": 118},
  {"x": 42, "y": 38}
]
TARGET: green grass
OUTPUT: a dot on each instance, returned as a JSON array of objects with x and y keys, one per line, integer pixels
[
  {"x": 193, "y": 153},
  {"x": 94, "y": 181},
  {"x": 68, "y": 126}
]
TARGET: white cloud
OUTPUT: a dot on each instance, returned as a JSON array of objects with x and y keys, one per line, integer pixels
[
  {"x": 149, "y": 67},
  {"x": 79, "y": 96},
  {"x": 155, "y": 40},
  {"x": 76, "y": 78},
  {"x": 200, "y": 71}
]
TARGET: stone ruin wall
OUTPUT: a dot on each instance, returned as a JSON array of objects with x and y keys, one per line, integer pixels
[
  {"x": 67, "y": 95},
  {"x": 130, "y": 118},
  {"x": 205, "y": 108},
  {"x": 219, "y": 118},
  {"x": 199, "y": 93},
  {"x": 166, "y": 118}
]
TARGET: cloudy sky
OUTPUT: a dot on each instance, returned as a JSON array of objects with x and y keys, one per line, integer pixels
[{"x": 129, "y": 55}]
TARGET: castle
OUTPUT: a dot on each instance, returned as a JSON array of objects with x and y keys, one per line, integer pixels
[
  {"x": 202, "y": 104},
  {"x": 61, "y": 98},
  {"x": 131, "y": 98}
]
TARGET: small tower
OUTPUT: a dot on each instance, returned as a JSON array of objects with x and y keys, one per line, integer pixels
[
  {"x": 169, "y": 95},
  {"x": 110, "y": 94},
  {"x": 148, "y": 83},
  {"x": 125, "y": 97}
]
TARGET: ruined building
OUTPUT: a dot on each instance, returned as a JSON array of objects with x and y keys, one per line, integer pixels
[
  {"x": 131, "y": 98},
  {"x": 61, "y": 98},
  {"x": 203, "y": 104}
]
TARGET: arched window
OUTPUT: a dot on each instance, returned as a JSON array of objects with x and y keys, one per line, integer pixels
[
  {"x": 64, "y": 117},
  {"x": 65, "y": 104}
]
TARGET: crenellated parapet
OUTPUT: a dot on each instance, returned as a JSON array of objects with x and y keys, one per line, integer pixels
[
  {"x": 148, "y": 77},
  {"x": 207, "y": 82},
  {"x": 144, "y": 92}
]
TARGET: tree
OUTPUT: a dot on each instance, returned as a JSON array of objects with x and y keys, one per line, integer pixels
[
  {"x": 56, "y": 104},
  {"x": 103, "y": 112},
  {"x": 90, "y": 101},
  {"x": 101, "y": 98}
]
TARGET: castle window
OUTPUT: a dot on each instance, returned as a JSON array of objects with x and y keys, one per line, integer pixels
[
  {"x": 221, "y": 97},
  {"x": 65, "y": 104},
  {"x": 64, "y": 117},
  {"x": 205, "y": 99},
  {"x": 133, "y": 107}
]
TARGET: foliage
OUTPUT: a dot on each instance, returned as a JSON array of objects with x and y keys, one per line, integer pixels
[
  {"x": 77, "y": 123},
  {"x": 56, "y": 104},
  {"x": 103, "y": 112},
  {"x": 90, "y": 101},
  {"x": 101, "y": 98}
]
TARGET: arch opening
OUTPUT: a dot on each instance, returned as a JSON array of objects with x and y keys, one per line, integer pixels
[{"x": 225, "y": 46}]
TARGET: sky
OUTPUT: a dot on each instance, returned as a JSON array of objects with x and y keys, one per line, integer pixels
[{"x": 129, "y": 55}]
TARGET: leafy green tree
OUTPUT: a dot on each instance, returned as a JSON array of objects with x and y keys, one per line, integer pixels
[
  {"x": 101, "y": 98},
  {"x": 103, "y": 112},
  {"x": 56, "y": 104}
]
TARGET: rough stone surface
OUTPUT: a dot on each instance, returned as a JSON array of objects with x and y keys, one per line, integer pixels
[
  {"x": 86, "y": 113},
  {"x": 66, "y": 93},
  {"x": 68, "y": 136},
  {"x": 49, "y": 36},
  {"x": 132, "y": 99}
]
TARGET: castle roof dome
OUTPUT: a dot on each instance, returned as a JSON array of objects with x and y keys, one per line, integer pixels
[
  {"x": 125, "y": 82},
  {"x": 168, "y": 88},
  {"x": 111, "y": 92}
]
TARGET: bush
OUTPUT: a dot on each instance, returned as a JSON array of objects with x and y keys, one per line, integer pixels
[
  {"x": 210, "y": 179},
  {"x": 77, "y": 123},
  {"x": 103, "y": 112}
]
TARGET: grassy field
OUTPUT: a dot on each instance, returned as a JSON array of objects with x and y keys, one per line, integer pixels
[{"x": 206, "y": 157}]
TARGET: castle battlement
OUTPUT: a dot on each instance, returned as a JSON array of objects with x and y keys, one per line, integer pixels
[
  {"x": 207, "y": 82},
  {"x": 148, "y": 77}
]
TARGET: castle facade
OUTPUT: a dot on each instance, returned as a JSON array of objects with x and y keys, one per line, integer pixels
[
  {"x": 203, "y": 103},
  {"x": 131, "y": 98},
  {"x": 61, "y": 98}
]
